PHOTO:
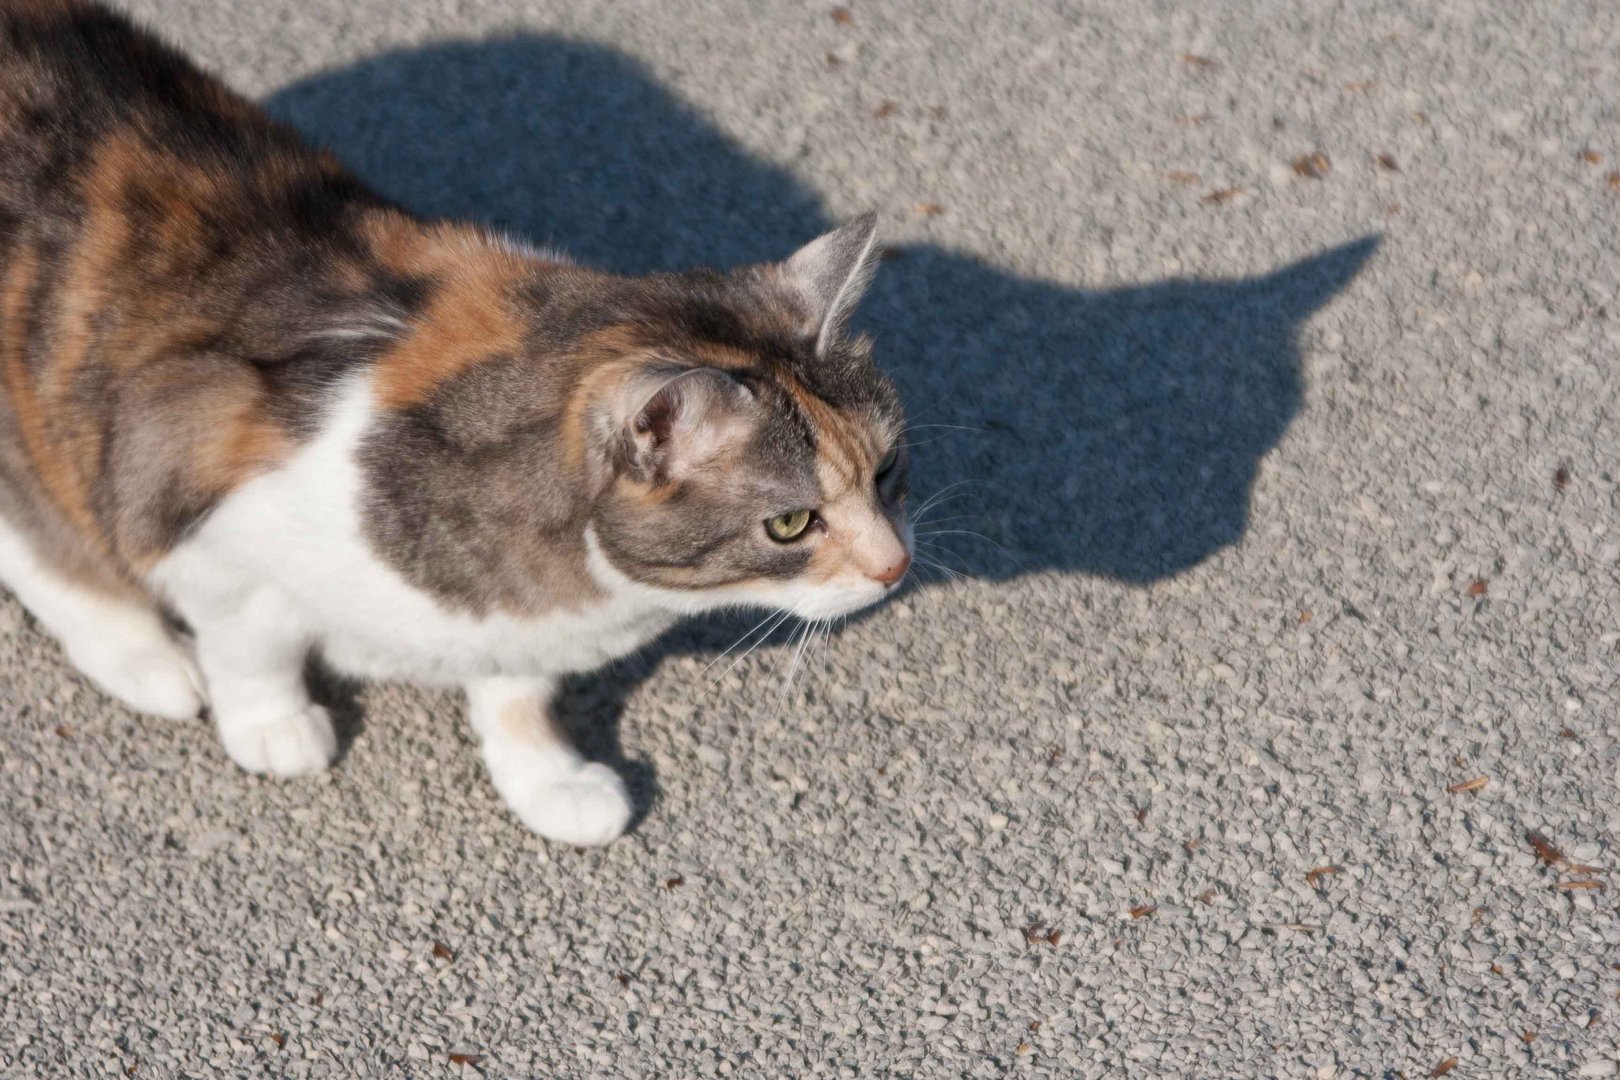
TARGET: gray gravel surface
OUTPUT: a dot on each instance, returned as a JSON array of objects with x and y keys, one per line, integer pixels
[{"x": 1277, "y": 550}]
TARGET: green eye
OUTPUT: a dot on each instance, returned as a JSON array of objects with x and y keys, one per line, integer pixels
[
  {"x": 789, "y": 526},
  {"x": 888, "y": 460}
]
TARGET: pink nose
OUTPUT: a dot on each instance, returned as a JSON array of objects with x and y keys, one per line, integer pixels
[{"x": 895, "y": 572}]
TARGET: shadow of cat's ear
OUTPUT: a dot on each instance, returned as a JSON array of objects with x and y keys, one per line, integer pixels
[{"x": 1299, "y": 289}]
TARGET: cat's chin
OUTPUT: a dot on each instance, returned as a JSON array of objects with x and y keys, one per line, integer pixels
[{"x": 824, "y": 602}]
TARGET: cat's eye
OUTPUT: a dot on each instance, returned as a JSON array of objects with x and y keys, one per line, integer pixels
[
  {"x": 789, "y": 526},
  {"x": 888, "y": 461}
]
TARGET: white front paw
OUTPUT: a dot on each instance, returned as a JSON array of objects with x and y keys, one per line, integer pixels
[
  {"x": 151, "y": 676},
  {"x": 585, "y": 805},
  {"x": 300, "y": 743}
]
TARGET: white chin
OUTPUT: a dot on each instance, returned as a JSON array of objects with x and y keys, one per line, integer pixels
[{"x": 830, "y": 603}]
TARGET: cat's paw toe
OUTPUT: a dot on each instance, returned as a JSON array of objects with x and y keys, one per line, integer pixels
[
  {"x": 586, "y": 807},
  {"x": 299, "y": 744},
  {"x": 155, "y": 677}
]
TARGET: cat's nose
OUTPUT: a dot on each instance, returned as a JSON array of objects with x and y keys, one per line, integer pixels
[{"x": 895, "y": 571}]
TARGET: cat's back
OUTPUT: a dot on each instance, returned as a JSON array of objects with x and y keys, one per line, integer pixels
[
  {"x": 165, "y": 249},
  {"x": 79, "y": 82}
]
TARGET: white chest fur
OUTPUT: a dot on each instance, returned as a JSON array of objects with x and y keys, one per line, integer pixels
[{"x": 296, "y": 533}]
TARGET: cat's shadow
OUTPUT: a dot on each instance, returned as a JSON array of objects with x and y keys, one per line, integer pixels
[{"x": 1113, "y": 432}]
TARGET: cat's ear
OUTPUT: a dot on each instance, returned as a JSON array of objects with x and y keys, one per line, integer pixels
[
  {"x": 672, "y": 420},
  {"x": 830, "y": 275}
]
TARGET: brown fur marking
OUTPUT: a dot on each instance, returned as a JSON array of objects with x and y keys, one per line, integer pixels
[{"x": 469, "y": 318}]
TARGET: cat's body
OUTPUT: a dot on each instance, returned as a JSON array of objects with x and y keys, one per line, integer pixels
[{"x": 238, "y": 387}]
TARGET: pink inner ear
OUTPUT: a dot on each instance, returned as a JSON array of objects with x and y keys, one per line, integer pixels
[
  {"x": 657, "y": 417},
  {"x": 686, "y": 419}
]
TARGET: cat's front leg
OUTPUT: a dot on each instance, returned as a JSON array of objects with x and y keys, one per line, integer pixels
[
  {"x": 252, "y": 647},
  {"x": 551, "y": 788}
]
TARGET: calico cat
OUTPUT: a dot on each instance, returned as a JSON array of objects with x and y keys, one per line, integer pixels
[{"x": 243, "y": 395}]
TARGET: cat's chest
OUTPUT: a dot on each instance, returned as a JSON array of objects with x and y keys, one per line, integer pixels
[
  {"x": 297, "y": 532},
  {"x": 384, "y": 638}
]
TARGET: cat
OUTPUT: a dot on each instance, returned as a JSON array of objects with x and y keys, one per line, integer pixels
[{"x": 250, "y": 409}]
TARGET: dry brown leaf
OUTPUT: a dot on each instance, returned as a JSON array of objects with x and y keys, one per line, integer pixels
[
  {"x": 279, "y": 1038},
  {"x": 1305, "y": 616},
  {"x": 1592, "y": 157},
  {"x": 1142, "y": 911},
  {"x": 65, "y": 731},
  {"x": 928, "y": 209},
  {"x": 1582, "y": 883},
  {"x": 1528, "y": 1036},
  {"x": 1055, "y": 938},
  {"x": 1023, "y": 1048},
  {"x": 1614, "y": 181},
  {"x": 888, "y": 108},
  {"x": 1180, "y": 176},
  {"x": 1496, "y": 969},
  {"x": 1566, "y": 733},
  {"x": 1544, "y": 848},
  {"x": 1479, "y": 587},
  {"x": 1443, "y": 1068},
  {"x": 1199, "y": 61},
  {"x": 1316, "y": 875},
  {"x": 1223, "y": 195},
  {"x": 1387, "y": 163},
  {"x": 1034, "y": 1025},
  {"x": 1469, "y": 785},
  {"x": 842, "y": 16},
  {"x": 466, "y": 1059},
  {"x": 442, "y": 951},
  {"x": 1561, "y": 477},
  {"x": 1312, "y": 166},
  {"x": 675, "y": 882}
]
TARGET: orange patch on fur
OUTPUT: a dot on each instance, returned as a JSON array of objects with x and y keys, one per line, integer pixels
[
  {"x": 724, "y": 357},
  {"x": 243, "y": 442},
  {"x": 844, "y": 451},
  {"x": 107, "y": 252},
  {"x": 471, "y": 317},
  {"x": 62, "y": 477},
  {"x": 604, "y": 359}
]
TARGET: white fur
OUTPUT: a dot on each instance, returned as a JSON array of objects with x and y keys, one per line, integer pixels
[
  {"x": 282, "y": 565},
  {"x": 122, "y": 645}
]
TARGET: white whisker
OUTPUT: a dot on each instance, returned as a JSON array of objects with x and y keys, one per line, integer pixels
[
  {"x": 750, "y": 633},
  {"x": 964, "y": 532},
  {"x": 780, "y": 619}
]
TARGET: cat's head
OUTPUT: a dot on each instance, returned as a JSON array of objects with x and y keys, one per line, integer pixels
[{"x": 746, "y": 448}]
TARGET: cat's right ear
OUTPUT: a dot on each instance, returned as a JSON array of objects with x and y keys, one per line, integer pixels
[
  {"x": 830, "y": 274},
  {"x": 673, "y": 420}
]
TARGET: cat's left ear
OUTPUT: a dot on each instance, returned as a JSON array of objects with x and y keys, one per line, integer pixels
[
  {"x": 673, "y": 420},
  {"x": 830, "y": 275}
]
